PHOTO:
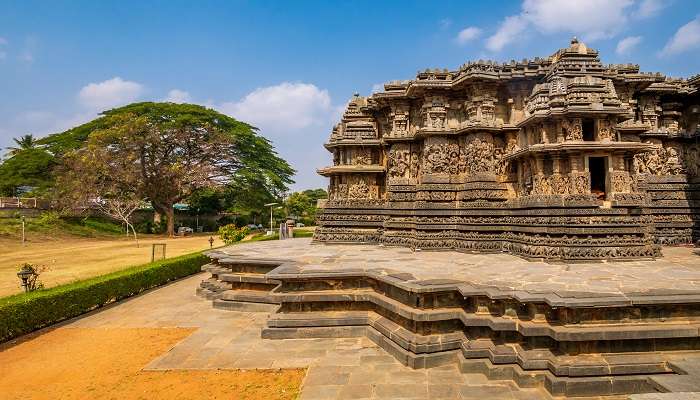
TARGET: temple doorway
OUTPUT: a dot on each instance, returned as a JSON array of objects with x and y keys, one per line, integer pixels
[{"x": 598, "y": 171}]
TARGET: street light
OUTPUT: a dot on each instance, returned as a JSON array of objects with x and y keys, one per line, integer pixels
[
  {"x": 25, "y": 273},
  {"x": 270, "y": 205}
]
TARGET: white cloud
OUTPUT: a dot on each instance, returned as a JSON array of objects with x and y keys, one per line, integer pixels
[
  {"x": 686, "y": 38},
  {"x": 287, "y": 106},
  {"x": 590, "y": 19},
  {"x": 178, "y": 96},
  {"x": 509, "y": 30},
  {"x": 650, "y": 8},
  {"x": 626, "y": 45},
  {"x": 468, "y": 34},
  {"x": 445, "y": 23},
  {"x": 109, "y": 94}
]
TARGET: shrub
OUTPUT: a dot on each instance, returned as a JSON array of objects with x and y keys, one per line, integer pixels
[
  {"x": 26, "y": 312},
  {"x": 49, "y": 219},
  {"x": 231, "y": 234}
]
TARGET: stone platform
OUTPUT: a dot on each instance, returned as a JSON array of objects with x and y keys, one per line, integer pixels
[{"x": 583, "y": 329}]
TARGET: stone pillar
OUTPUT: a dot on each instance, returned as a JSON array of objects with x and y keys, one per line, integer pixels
[
  {"x": 559, "y": 131},
  {"x": 543, "y": 133},
  {"x": 579, "y": 175}
]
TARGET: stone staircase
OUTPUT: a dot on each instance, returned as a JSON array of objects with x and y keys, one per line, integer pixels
[{"x": 240, "y": 286}]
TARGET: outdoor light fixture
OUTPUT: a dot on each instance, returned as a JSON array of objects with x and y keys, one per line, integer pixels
[
  {"x": 25, "y": 274},
  {"x": 211, "y": 241},
  {"x": 270, "y": 205}
]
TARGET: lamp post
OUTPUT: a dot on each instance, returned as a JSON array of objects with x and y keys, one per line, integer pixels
[
  {"x": 271, "y": 205},
  {"x": 24, "y": 274},
  {"x": 211, "y": 241},
  {"x": 24, "y": 237}
]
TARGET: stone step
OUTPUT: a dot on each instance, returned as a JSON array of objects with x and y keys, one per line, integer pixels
[
  {"x": 249, "y": 296},
  {"x": 598, "y": 364},
  {"x": 582, "y": 332},
  {"x": 539, "y": 359},
  {"x": 244, "y": 306},
  {"x": 248, "y": 278}
]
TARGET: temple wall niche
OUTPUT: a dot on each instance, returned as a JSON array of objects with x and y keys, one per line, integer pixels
[{"x": 403, "y": 164}]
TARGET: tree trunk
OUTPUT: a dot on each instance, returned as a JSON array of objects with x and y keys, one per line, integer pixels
[
  {"x": 136, "y": 238},
  {"x": 170, "y": 214}
]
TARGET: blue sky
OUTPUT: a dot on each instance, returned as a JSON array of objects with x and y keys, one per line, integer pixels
[{"x": 289, "y": 67}]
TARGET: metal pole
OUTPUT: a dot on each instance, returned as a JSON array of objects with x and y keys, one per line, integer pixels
[
  {"x": 271, "y": 230},
  {"x": 23, "y": 235}
]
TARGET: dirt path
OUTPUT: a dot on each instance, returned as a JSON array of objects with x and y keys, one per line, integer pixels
[
  {"x": 70, "y": 259},
  {"x": 91, "y": 363}
]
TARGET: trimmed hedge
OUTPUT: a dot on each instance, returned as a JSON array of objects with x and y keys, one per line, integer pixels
[{"x": 27, "y": 312}]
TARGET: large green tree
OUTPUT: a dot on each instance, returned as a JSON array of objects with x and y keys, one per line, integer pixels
[
  {"x": 178, "y": 150},
  {"x": 29, "y": 167}
]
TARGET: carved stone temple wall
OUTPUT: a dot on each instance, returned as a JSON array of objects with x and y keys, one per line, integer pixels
[{"x": 556, "y": 158}]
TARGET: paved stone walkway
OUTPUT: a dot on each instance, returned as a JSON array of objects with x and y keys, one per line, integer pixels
[
  {"x": 677, "y": 273},
  {"x": 352, "y": 368}
]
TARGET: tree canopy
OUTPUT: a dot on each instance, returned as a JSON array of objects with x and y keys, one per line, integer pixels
[
  {"x": 29, "y": 167},
  {"x": 175, "y": 150}
]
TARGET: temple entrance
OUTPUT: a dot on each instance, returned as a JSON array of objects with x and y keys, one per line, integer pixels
[{"x": 598, "y": 171}]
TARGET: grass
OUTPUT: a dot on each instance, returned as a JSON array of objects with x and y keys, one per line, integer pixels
[
  {"x": 298, "y": 233},
  {"x": 71, "y": 258},
  {"x": 51, "y": 224},
  {"x": 98, "y": 279}
]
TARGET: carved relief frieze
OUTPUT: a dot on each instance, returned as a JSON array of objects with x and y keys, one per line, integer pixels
[
  {"x": 621, "y": 182},
  {"x": 660, "y": 161},
  {"x": 399, "y": 161}
]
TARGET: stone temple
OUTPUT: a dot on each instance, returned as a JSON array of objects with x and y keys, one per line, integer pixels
[
  {"x": 559, "y": 158},
  {"x": 527, "y": 175}
]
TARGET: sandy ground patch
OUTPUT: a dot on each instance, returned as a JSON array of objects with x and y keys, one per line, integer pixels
[
  {"x": 71, "y": 259},
  {"x": 106, "y": 363}
]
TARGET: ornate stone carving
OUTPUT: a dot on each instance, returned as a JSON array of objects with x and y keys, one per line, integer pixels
[
  {"x": 435, "y": 113},
  {"x": 621, "y": 182},
  {"x": 606, "y": 131},
  {"x": 399, "y": 120},
  {"x": 399, "y": 161},
  {"x": 572, "y": 129},
  {"x": 362, "y": 157},
  {"x": 661, "y": 161}
]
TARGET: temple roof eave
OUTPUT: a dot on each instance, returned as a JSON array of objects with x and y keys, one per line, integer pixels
[
  {"x": 352, "y": 142},
  {"x": 345, "y": 169},
  {"x": 570, "y": 112},
  {"x": 580, "y": 146}
]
